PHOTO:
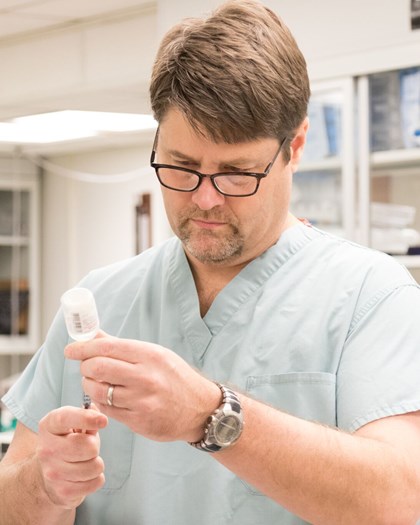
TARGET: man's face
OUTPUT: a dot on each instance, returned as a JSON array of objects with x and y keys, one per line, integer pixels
[{"x": 213, "y": 228}]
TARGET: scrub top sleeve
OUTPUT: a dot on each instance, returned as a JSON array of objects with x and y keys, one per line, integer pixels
[
  {"x": 379, "y": 370},
  {"x": 39, "y": 388}
]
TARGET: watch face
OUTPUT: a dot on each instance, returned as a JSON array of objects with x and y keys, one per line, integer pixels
[{"x": 227, "y": 429}]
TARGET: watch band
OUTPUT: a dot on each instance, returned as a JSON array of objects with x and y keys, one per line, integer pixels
[{"x": 231, "y": 403}]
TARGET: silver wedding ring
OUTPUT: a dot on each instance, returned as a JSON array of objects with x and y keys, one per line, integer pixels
[{"x": 110, "y": 395}]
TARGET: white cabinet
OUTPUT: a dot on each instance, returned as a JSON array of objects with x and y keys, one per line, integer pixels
[
  {"x": 389, "y": 163},
  {"x": 360, "y": 176},
  {"x": 19, "y": 256},
  {"x": 324, "y": 186}
]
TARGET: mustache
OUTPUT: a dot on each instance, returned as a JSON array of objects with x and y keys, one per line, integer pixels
[{"x": 207, "y": 215}]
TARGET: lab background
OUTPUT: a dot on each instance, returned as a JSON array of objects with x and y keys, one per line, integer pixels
[{"x": 77, "y": 194}]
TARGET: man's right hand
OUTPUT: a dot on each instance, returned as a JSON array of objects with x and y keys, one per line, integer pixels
[{"x": 68, "y": 454}]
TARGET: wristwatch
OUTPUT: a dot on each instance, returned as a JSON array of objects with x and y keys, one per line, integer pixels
[{"x": 225, "y": 425}]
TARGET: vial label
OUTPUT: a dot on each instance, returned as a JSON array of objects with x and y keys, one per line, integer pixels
[
  {"x": 80, "y": 314},
  {"x": 82, "y": 325},
  {"x": 77, "y": 324}
]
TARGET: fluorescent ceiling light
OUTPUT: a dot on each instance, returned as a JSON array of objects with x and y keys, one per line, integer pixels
[
  {"x": 20, "y": 134},
  {"x": 69, "y": 125}
]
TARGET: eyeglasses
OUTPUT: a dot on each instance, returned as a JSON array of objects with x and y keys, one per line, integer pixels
[{"x": 230, "y": 184}]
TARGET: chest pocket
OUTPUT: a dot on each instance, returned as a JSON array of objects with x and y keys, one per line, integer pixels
[
  {"x": 116, "y": 451},
  {"x": 307, "y": 395}
]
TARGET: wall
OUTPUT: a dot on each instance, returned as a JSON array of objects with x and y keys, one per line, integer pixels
[
  {"x": 88, "y": 225},
  {"x": 342, "y": 38}
]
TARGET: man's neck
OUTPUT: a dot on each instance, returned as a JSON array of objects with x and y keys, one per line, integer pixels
[{"x": 210, "y": 279}]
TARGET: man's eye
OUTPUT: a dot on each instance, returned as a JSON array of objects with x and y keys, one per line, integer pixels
[
  {"x": 187, "y": 164},
  {"x": 233, "y": 169}
]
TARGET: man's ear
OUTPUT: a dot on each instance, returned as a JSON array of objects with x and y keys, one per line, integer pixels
[{"x": 297, "y": 144}]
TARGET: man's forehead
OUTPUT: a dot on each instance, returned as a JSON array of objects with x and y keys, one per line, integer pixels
[{"x": 186, "y": 144}]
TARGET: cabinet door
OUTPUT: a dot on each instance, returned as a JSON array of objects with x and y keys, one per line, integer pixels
[
  {"x": 18, "y": 267},
  {"x": 389, "y": 105},
  {"x": 324, "y": 186}
]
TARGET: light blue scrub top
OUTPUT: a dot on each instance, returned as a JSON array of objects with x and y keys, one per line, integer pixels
[{"x": 316, "y": 326}]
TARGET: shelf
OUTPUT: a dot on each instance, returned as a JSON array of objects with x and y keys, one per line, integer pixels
[
  {"x": 6, "y": 437},
  {"x": 396, "y": 162},
  {"x": 328, "y": 164},
  {"x": 8, "y": 240},
  {"x": 17, "y": 344},
  {"x": 409, "y": 261}
]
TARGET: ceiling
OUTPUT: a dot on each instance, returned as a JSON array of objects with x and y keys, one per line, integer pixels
[{"x": 19, "y": 18}]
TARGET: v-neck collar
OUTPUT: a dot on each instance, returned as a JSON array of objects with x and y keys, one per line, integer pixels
[{"x": 201, "y": 330}]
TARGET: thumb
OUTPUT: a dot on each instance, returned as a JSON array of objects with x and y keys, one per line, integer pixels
[
  {"x": 94, "y": 407},
  {"x": 101, "y": 423}
]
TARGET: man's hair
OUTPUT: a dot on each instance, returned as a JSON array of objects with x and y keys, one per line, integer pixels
[{"x": 236, "y": 76}]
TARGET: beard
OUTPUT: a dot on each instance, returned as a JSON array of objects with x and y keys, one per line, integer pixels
[{"x": 208, "y": 246}]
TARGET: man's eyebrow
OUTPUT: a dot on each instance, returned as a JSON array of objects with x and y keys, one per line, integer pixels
[
  {"x": 231, "y": 162},
  {"x": 180, "y": 155}
]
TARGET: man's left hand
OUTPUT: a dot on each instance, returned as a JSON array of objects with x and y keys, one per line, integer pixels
[{"x": 156, "y": 393}]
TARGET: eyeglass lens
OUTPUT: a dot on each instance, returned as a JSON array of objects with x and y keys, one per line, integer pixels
[{"x": 231, "y": 184}]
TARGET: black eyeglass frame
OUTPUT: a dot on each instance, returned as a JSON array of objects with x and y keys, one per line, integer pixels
[{"x": 213, "y": 176}]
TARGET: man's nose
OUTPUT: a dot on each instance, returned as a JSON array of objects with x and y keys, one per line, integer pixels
[{"x": 206, "y": 196}]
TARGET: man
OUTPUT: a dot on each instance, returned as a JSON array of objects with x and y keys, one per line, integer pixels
[{"x": 304, "y": 347}]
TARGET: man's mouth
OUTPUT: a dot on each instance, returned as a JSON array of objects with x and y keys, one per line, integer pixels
[{"x": 207, "y": 224}]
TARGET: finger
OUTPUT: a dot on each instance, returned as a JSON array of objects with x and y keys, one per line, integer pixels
[
  {"x": 100, "y": 393},
  {"x": 92, "y": 406},
  {"x": 68, "y": 450},
  {"x": 121, "y": 414},
  {"x": 79, "y": 471},
  {"x": 62, "y": 420},
  {"x": 93, "y": 431},
  {"x": 71, "y": 494},
  {"x": 100, "y": 334},
  {"x": 113, "y": 347},
  {"x": 80, "y": 447},
  {"x": 106, "y": 370}
]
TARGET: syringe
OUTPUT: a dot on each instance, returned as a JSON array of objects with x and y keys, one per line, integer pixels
[{"x": 81, "y": 317}]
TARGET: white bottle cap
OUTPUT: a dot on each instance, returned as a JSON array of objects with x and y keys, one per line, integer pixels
[{"x": 80, "y": 314}]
